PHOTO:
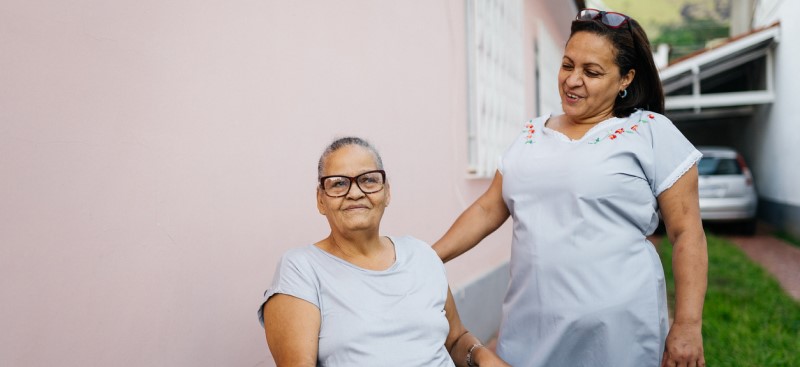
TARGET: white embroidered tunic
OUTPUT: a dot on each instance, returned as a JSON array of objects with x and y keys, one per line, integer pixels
[{"x": 587, "y": 288}]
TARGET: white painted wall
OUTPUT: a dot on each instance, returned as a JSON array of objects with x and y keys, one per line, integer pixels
[
  {"x": 776, "y": 149},
  {"x": 156, "y": 158}
]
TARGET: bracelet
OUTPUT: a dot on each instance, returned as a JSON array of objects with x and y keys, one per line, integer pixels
[{"x": 469, "y": 354}]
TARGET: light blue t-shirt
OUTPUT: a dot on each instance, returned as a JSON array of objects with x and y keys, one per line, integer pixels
[{"x": 393, "y": 317}]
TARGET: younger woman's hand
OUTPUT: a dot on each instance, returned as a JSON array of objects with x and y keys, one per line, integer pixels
[
  {"x": 684, "y": 346},
  {"x": 486, "y": 358}
]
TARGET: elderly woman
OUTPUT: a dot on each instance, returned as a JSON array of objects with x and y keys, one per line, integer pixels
[
  {"x": 357, "y": 298},
  {"x": 584, "y": 189}
]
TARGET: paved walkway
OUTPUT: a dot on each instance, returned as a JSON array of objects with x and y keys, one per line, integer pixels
[{"x": 779, "y": 258}]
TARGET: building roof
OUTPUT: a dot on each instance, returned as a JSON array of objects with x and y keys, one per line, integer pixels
[{"x": 737, "y": 72}]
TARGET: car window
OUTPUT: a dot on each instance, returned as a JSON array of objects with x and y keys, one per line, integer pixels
[{"x": 710, "y": 166}]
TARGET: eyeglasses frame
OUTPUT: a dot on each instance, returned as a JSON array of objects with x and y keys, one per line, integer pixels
[
  {"x": 352, "y": 180},
  {"x": 601, "y": 15}
]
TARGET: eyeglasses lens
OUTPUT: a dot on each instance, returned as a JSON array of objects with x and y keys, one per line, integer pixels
[
  {"x": 588, "y": 14},
  {"x": 370, "y": 182},
  {"x": 336, "y": 186},
  {"x": 613, "y": 19}
]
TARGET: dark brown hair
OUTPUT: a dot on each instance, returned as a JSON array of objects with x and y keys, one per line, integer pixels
[{"x": 632, "y": 51}]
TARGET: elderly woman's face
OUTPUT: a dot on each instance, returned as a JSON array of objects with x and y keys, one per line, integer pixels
[
  {"x": 355, "y": 211},
  {"x": 589, "y": 79}
]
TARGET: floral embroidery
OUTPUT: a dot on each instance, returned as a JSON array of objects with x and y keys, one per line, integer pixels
[
  {"x": 611, "y": 135},
  {"x": 530, "y": 130}
]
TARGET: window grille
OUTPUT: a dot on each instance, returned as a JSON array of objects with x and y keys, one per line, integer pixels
[
  {"x": 548, "y": 63},
  {"x": 496, "y": 81}
]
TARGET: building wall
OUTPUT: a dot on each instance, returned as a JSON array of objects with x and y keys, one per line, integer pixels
[
  {"x": 156, "y": 158},
  {"x": 548, "y": 24},
  {"x": 774, "y": 131}
]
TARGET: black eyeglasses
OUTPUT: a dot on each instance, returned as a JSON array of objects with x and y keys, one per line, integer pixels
[
  {"x": 609, "y": 18},
  {"x": 368, "y": 182}
]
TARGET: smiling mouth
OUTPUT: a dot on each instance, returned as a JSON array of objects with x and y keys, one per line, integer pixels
[{"x": 571, "y": 96}]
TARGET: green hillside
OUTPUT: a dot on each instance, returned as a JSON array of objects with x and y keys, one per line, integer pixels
[
  {"x": 655, "y": 14},
  {"x": 685, "y": 25}
]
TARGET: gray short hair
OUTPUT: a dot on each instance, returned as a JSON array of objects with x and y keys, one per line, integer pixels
[{"x": 343, "y": 142}]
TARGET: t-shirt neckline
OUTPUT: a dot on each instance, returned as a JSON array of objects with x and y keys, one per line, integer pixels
[
  {"x": 563, "y": 137},
  {"x": 354, "y": 266}
]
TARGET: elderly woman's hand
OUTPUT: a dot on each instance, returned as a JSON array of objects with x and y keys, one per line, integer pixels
[{"x": 684, "y": 346}]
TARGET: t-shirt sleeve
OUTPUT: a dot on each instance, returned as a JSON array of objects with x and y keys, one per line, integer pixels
[
  {"x": 295, "y": 277},
  {"x": 672, "y": 154}
]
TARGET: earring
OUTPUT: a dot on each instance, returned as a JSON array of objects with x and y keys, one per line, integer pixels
[{"x": 623, "y": 93}]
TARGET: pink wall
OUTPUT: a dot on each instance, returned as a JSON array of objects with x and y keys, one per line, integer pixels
[{"x": 157, "y": 157}]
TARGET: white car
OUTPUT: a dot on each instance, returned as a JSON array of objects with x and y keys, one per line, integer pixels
[{"x": 727, "y": 192}]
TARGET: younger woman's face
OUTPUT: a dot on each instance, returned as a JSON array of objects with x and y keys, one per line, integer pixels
[{"x": 589, "y": 79}]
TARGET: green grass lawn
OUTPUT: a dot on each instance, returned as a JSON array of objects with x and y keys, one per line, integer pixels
[{"x": 748, "y": 320}]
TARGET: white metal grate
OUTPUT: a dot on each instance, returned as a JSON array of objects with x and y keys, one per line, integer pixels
[{"x": 496, "y": 80}]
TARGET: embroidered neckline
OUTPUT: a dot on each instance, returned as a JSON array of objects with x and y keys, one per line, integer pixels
[
  {"x": 614, "y": 134},
  {"x": 530, "y": 129},
  {"x": 563, "y": 137}
]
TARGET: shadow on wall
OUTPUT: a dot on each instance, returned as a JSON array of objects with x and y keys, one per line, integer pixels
[{"x": 783, "y": 217}]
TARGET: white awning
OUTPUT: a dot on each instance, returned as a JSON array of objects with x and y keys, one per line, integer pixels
[{"x": 737, "y": 73}]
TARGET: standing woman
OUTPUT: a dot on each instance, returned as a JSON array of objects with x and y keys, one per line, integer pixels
[{"x": 584, "y": 189}]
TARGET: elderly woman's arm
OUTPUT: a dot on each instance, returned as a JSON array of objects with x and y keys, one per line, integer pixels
[
  {"x": 460, "y": 341},
  {"x": 482, "y": 218},
  {"x": 681, "y": 213},
  {"x": 292, "y": 329}
]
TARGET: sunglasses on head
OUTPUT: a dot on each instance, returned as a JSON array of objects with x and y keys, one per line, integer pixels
[{"x": 609, "y": 18}]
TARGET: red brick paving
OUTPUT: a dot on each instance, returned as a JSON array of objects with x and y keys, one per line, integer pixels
[{"x": 779, "y": 258}]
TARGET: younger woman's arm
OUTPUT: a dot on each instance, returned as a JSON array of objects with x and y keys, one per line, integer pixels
[{"x": 482, "y": 218}]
